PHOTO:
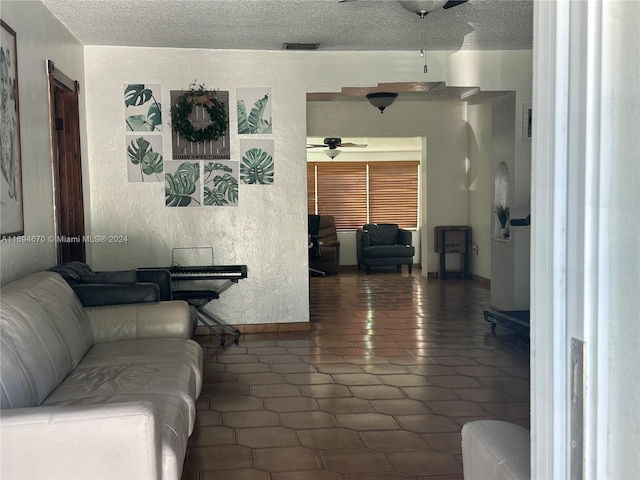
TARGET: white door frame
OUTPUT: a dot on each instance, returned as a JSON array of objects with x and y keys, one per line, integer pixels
[{"x": 570, "y": 169}]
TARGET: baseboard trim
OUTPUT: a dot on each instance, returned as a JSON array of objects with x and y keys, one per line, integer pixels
[
  {"x": 262, "y": 328},
  {"x": 482, "y": 280}
]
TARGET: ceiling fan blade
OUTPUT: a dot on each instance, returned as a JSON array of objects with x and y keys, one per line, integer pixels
[
  {"x": 453, "y": 3},
  {"x": 316, "y": 146},
  {"x": 354, "y": 145}
]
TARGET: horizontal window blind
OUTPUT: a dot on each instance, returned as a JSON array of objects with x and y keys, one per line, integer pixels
[
  {"x": 356, "y": 193},
  {"x": 342, "y": 192},
  {"x": 393, "y": 193}
]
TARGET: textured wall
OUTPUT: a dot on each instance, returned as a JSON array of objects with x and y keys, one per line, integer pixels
[
  {"x": 40, "y": 37},
  {"x": 267, "y": 231}
]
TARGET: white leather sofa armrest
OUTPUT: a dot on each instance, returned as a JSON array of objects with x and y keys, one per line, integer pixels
[
  {"x": 140, "y": 320},
  {"x": 493, "y": 449},
  {"x": 81, "y": 441}
]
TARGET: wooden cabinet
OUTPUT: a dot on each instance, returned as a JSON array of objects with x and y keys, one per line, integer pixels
[{"x": 453, "y": 240}]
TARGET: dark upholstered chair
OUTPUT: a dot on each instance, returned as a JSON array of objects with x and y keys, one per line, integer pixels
[
  {"x": 328, "y": 258},
  {"x": 381, "y": 244},
  {"x": 115, "y": 287}
]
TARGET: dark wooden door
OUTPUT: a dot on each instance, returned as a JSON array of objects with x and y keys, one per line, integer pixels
[{"x": 67, "y": 167}]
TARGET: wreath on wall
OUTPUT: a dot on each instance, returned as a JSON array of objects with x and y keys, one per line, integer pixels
[{"x": 199, "y": 96}]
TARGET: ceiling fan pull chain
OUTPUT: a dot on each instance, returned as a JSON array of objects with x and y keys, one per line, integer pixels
[{"x": 423, "y": 50}]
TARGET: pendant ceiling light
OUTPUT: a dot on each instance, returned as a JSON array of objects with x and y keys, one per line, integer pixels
[
  {"x": 422, "y": 8},
  {"x": 381, "y": 100},
  {"x": 332, "y": 153}
]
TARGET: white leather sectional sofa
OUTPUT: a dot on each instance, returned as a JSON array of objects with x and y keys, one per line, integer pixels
[{"x": 93, "y": 393}]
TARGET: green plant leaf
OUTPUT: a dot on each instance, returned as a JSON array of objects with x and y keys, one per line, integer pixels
[
  {"x": 178, "y": 189},
  {"x": 214, "y": 197},
  {"x": 152, "y": 163},
  {"x": 139, "y": 123},
  {"x": 154, "y": 115},
  {"x": 189, "y": 170},
  {"x": 243, "y": 122},
  {"x": 215, "y": 166},
  {"x": 136, "y": 94},
  {"x": 137, "y": 150},
  {"x": 228, "y": 186},
  {"x": 256, "y": 122},
  {"x": 257, "y": 167}
]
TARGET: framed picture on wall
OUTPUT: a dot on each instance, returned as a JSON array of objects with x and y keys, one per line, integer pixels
[
  {"x": 527, "y": 122},
  {"x": 11, "y": 219}
]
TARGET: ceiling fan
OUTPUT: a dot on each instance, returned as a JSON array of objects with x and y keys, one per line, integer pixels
[
  {"x": 423, "y": 7},
  {"x": 333, "y": 143}
]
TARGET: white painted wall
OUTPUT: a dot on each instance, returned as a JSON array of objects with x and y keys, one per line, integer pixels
[
  {"x": 479, "y": 178},
  {"x": 40, "y": 37},
  {"x": 506, "y": 71},
  {"x": 622, "y": 27},
  {"x": 509, "y": 257}
]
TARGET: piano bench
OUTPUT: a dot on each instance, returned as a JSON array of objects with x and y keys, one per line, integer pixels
[{"x": 195, "y": 295}]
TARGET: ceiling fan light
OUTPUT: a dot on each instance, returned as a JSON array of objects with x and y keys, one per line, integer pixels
[
  {"x": 381, "y": 100},
  {"x": 422, "y": 7},
  {"x": 332, "y": 153}
]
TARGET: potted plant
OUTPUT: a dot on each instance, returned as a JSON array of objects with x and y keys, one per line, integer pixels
[{"x": 502, "y": 213}]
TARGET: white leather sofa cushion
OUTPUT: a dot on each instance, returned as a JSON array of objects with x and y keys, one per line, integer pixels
[
  {"x": 493, "y": 449},
  {"x": 34, "y": 358},
  {"x": 135, "y": 351},
  {"x": 113, "y": 383},
  {"x": 66, "y": 313},
  {"x": 142, "y": 320}
]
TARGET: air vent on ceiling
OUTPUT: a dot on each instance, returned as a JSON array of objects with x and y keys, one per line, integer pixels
[{"x": 300, "y": 46}]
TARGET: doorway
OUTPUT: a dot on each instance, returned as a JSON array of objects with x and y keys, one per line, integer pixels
[{"x": 67, "y": 167}]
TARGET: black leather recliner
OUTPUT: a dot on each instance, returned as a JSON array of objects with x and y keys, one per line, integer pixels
[
  {"x": 117, "y": 287},
  {"x": 384, "y": 244}
]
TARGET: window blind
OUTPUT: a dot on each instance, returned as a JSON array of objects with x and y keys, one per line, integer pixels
[
  {"x": 393, "y": 193},
  {"x": 356, "y": 193}
]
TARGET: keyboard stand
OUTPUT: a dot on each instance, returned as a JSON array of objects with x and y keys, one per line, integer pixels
[{"x": 199, "y": 299}]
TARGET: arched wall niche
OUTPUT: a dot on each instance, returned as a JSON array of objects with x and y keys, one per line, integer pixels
[{"x": 501, "y": 191}]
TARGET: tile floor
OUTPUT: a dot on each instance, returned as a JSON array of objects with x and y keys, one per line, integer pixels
[{"x": 379, "y": 388}]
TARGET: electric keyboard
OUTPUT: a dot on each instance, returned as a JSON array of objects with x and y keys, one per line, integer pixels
[{"x": 208, "y": 272}]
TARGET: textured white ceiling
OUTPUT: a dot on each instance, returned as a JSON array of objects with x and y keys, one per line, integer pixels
[{"x": 268, "y": 24}]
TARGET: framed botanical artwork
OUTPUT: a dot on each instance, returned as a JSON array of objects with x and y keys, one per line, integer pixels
[
  {"x": 143, "y": 107},
  {"x": 257, "y": 165},
  {"x": 527, "y": 122},
  {"x": 254, "y": 110},
  {"x": 11, "y": 214}
]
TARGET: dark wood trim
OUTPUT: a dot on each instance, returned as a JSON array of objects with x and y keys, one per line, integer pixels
[
  {"x": 66, "y": 163},
  {"x": 69, "y": 84}
]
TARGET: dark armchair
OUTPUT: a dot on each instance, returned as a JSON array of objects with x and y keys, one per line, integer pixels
[
  {"x": 116, "y": 287},
  {"x": 381, "y": 244},
  {"x": 327, "y": 259}
]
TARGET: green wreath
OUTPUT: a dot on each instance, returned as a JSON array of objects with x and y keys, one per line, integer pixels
[{"x": 182, "y": 111}]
